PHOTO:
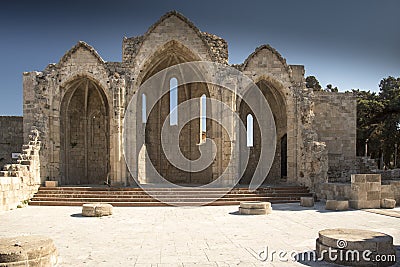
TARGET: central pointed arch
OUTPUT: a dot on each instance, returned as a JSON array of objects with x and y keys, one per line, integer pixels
[{"x": 170, "y": 54}]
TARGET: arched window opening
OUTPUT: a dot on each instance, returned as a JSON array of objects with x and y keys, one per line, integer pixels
[
  {"x": 144, "y": 109},
  {"x": 173, "y": 101},
  {"x": 203, "y": 118},
  {"x": 250, "y": 132}
]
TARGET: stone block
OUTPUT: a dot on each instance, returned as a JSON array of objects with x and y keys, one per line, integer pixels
[
  {"x": 373, "y": 178},
  {"x": 387, "y": 191},
  {"x": 373, "y": 195},
  {"x": 307, "y": 201},
  {"x": 388, "y": 203},
  {"x": 97, "y": 209},
  {"x": 358, "y": 178},
  {"x": 364, "y": 204},
  {"x": 373, "y": 186},
  {"x": 51, "y": 183},
  {"x": 337, "y": 205}
]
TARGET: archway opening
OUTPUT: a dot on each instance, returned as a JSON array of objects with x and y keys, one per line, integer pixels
[
  {"x": 168, "y": 104},
  {"x": 277, "y": 103},
  {"x": 84, "y": 134}
]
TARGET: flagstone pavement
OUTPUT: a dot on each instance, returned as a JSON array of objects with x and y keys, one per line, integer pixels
[{"x": 188, "y": 236}]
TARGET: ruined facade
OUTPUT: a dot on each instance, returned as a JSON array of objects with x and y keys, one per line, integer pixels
[{"x": 78, "y": 105}]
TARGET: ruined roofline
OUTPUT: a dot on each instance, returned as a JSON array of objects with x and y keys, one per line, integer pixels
[
  {"x": 217, "y": 47},
  {"x": 270, "y": 48},
  {"x": 84, "y": 45}
]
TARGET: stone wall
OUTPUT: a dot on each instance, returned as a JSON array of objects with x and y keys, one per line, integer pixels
[
  {"x": 364, "y": 191},
  {"x": 335, "y": 122},
  {"x": 18, "y": 182},
  {"x": 11, "y": 138}
]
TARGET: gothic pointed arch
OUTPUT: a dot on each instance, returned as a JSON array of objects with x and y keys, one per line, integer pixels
[{"x": 84, "y": 133}]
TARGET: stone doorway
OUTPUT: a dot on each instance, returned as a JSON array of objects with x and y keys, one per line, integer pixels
[{"x": 84, "y": 134}]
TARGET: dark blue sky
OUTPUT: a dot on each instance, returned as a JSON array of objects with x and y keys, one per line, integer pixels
[{"x": 349, "y": 43}]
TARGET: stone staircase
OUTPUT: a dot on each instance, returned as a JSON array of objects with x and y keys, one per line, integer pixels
[{"x": 135, "y": 197}]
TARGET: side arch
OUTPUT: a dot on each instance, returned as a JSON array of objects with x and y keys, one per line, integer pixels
[
  {"x": 84, "y": 133},
  {"x": 274, "y": 94}
]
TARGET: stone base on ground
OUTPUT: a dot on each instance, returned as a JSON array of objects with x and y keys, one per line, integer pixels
[
  {"x": 27, "y": 251},
  {"x": 337, "y": 205},
  {"x": 354, "y": 247},
  {"x": 96, "y": 209},
  {"x": 51, "y": 183},
  {"x": 307, "y": 201},
  {"x": 388, "y": 203},
  {"x": 255, "y": 208}
]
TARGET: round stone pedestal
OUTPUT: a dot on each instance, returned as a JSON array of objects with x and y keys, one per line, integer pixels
[
  {"x": 255, "y": 208},
  {"x": 27, "y": 251},
  {"x": 96, "y": 209},
  {"x": 355, "y": 247}
]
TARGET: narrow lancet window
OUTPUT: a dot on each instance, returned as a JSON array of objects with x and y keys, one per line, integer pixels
[
  {"x": 144, "y": 109},
  {"x": 173, "y": 101},
  {"x": 250, "y": 133},
  {"x": 203, "y": 118}
]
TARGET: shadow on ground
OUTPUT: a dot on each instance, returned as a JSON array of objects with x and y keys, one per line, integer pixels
[
  {"x": 319, "y": 207},
  {"x": 77, "y": 215}
]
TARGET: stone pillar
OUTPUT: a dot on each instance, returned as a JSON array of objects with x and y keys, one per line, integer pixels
[{"x": 118, "y": 174}]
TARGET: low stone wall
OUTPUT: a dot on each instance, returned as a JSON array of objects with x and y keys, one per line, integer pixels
[
  {"x": 364, "y": 191},
  {"x": 336, "y": 191},
  {"x": 391, "y": 189},
  {"x": 18, "y": 182}
]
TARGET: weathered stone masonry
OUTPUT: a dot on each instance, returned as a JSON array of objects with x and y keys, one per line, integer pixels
[
  {"x": 11, "y": 138},
  {"x": 78, "y": 105}
]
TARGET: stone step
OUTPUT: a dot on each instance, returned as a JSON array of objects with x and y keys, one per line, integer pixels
[
  {"x": 130, "y": 196},
  {"x": 102, "y": 189},
  {"x": 142, "y": 195},
  {"x": 147, "y": 204},
  {"x": 165, "y": 199}
]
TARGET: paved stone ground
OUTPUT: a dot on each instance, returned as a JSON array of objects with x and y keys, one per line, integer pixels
[{"x": 171, "y": 236}]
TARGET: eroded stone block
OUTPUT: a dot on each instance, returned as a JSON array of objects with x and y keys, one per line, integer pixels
[
  {"x": 388, "y": 203},
  {"x": 307, "y": 201},
  {"x": 337, "y": 205},
  {"x": 97, "y": 209}
]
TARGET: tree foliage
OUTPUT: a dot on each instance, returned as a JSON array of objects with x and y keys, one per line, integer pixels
[
  {"x": 330, "y": 88},
  {"x": 378, "y": 121},
  {"x": 312, "y": 82}
]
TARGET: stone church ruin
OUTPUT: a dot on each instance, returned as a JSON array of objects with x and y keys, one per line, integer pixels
[{"x": 77, "y": 108}]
